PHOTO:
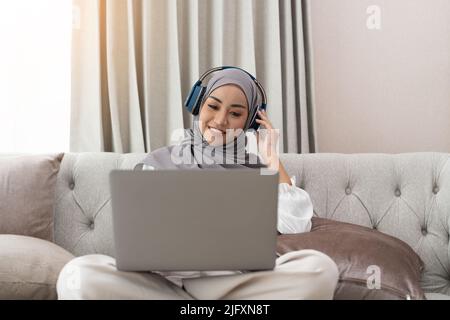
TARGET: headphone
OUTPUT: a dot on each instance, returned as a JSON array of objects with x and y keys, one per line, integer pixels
[{"x": 195, "y": 97}]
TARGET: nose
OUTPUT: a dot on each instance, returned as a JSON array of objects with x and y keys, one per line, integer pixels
[{"x": 221, "y": 119}]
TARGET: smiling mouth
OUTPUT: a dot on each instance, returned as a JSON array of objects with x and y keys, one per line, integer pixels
[{"x": 216, "y": 130}]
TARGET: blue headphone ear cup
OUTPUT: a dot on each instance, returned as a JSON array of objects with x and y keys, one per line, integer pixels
[
  {"x": 198, "y": 103},
  {"x": 194, "y": 98}
]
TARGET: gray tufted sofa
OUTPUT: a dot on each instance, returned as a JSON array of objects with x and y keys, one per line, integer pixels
[{"x": 404, "y": 195}]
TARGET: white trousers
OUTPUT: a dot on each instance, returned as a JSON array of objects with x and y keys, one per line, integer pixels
[{"x": 304, "y": 274}]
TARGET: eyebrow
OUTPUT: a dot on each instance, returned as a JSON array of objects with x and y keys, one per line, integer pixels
[{"x": 231, "y": 105}]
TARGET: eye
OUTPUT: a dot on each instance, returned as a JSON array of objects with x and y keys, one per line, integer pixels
[
  {"x": 213, "y": 106},
  {"x": 235, "y": 114}
]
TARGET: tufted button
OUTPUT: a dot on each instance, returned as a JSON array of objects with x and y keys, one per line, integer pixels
[
  {"x": 91, "y": 225},
  {"x": 435, "y": 189},
  {"x": 424, "y": 231},
  {"x": 71, "y": 185},
  {"x": 374, "y": 227},
  {"x": 397, "y": 193},
  {"x": 348, "y": 190}
]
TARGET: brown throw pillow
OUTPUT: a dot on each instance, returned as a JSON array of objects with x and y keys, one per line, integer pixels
[
  {"x": 372, "y": 265},
  {"x": 27, "y": 190},
  {"x": 29, "y": 267}
]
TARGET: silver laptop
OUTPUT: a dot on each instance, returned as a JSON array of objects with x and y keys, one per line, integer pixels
[{"x": 188, "y": 220}]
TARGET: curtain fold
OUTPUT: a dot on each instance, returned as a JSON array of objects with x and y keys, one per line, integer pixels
[
  {"x": 135, "y": 61},
  {"x": 298, "y": 133}
]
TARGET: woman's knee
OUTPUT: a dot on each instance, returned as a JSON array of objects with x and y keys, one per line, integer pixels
[
  {"x": 330, "y": 271},
  {"x": 328, "y": 276},
  {"x": 318, "y": 267},
  {"x": 78, "y": 274}
]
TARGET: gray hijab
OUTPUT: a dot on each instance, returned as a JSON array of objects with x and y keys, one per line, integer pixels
[{"x": 194, "y": 152}]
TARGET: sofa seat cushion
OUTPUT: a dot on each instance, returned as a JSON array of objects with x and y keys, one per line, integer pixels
[
  {"x": 436, "y": 296},
  {"x": 372, "y": 265},
  {"x": 29, "y": 267}
]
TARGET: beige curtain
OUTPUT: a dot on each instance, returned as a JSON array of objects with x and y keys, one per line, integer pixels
[{"x": 134, "y": 62}]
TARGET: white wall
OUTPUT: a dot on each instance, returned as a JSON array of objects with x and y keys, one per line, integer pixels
[
  {"x": 381, "y": 90},
  {"x": 35, "y": 42}
]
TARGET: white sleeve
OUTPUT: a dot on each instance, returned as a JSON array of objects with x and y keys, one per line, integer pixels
[{"x": 295, "y": 209}]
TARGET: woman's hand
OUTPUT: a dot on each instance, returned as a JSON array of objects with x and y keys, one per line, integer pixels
[
  {"x": 268, "y": 147},
  {"x": 267, "y": 140}
]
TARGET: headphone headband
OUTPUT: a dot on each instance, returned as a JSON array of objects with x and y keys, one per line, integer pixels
[{"x": 261, "y": 89}]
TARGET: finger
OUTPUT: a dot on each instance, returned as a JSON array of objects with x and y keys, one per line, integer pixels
[
  {"x": 262, "y": 114},
  {"x": 262, "y": 122},
  {"x": 266, "y": 123},
  {"x": 264, "y": 117}
]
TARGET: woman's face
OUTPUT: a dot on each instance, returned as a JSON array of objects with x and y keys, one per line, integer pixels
[{"x": 225, "y": 108}]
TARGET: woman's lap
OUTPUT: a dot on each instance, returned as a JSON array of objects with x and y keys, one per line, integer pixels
[{"x": 304, "y": 274}]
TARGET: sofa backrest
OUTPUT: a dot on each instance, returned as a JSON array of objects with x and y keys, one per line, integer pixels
[{"x": 404, "y": 195}]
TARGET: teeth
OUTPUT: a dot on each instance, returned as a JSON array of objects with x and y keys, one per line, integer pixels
[{"x": 215, "y": 130}]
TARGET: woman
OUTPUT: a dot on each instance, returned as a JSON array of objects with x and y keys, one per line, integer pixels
[{"x": 217, "y": 140}]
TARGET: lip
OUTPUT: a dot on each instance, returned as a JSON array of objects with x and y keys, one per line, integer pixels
[{"x": 215, "y": 130}]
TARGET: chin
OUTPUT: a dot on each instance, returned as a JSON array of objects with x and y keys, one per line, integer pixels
[
  {"x": 213, "y": 140},
  {"x": 215, "y": 143}
]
